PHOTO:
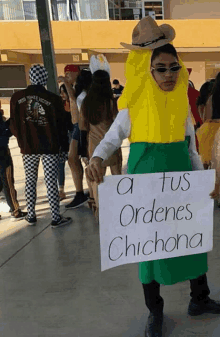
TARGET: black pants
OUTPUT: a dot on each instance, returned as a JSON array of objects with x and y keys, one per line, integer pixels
[
  {"x": 154, "y": 302},
  {"x": 7, "y": 180}
]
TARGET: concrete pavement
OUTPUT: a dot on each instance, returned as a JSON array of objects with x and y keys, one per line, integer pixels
[{"x": 51, "y": 283}]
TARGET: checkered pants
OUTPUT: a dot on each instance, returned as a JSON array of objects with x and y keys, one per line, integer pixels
[{"x": 50, "y": 166}]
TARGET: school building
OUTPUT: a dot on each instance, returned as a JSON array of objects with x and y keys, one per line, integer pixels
[{"x": 83, "y": 27}]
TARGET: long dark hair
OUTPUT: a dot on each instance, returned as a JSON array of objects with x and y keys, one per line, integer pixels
[
  {"x": 97, "y": 105},
  {"x": 64, "y": 89},
  {"x": 166, "y": 49},
  {"x": 83, "y": 81},
  {"x": 204, "y": 93},
  {"x": 216, "y": 98}
]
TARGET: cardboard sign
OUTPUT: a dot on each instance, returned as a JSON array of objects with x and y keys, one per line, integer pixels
[{"x": 155, "y": 216}]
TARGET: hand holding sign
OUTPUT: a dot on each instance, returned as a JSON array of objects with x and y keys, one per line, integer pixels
[
  {"x": 215, "y": 192},
  {"x": 94, "y": 171}
]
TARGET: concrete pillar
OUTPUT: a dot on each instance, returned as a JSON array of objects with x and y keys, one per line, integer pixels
[{"x": 46, "y": 37}]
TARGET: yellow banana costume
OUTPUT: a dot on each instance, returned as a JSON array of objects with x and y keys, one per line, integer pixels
[{"x": 158, "y": 145}]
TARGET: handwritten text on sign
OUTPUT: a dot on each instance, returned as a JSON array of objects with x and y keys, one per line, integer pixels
[{"x": 155, "y": 216}]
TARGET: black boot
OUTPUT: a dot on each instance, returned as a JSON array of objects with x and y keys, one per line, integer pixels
[
  {"x": 204, "y": 306},
  {"x": 200, "y": 302},
  {"x": 154, "y": 303},
  {"x": 154, "y": 324}
]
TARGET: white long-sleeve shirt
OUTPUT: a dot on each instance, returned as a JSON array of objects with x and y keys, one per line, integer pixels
[{"x": 120, "y": 130}]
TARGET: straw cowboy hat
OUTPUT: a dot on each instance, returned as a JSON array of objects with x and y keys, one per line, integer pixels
[{"x": 148, "y": 35}]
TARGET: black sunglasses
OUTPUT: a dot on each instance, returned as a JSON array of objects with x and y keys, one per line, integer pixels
[{"x": 163, "y": 70}]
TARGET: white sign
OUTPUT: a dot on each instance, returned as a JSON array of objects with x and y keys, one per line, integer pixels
[{"x": 146, "y": 217}]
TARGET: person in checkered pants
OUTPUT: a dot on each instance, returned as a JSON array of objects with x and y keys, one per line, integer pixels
[{"x": 37, "y": 120}]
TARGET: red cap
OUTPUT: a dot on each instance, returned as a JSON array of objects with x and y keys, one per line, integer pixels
[
  {"x": 189, "y": 70},
  {"x": 72, "y": 68}
]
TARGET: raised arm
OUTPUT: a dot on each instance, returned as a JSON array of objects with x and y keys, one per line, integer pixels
[{"x": 71, "y": 93}]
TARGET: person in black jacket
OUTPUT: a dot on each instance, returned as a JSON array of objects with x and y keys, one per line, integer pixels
[
  {"x": 7, "y": 171},
  {"x": 37, "y": 120},
  {"x": 117, "y": 89}
]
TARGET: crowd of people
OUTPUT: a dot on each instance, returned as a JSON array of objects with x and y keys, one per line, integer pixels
[
  {"x": 159, "y": 110},
  {"x": 56, "y": 130},
  {"x": 209, "y": 133}
]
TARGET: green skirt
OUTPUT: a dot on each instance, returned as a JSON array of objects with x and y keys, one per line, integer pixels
[{"x": 170, "y": 157}]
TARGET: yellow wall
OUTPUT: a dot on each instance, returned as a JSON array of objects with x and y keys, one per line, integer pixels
[
  {"x": 212, "y": 72},
  {"x": 197, "y": 61},
  {"x": 117, "y": 65},
  {"x": 109, "y": 34},
  {"x": 104, "y": 34},
  {"x": 197, "y": 75}
]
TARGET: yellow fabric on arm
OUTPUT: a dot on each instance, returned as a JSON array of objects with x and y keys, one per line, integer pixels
[{"x": 157, "y": 116}]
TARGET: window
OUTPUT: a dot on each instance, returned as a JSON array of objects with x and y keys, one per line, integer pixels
[
  {"x": 60, "y": 10},
  {"x": 125, "y": 10},
  {"x": 113, "y": 8},
  {"x": 93, "y": 10},
  {"x": 154, "y": 9},
  {"x": 73, "y": 10},
  {"x": 11, "y": 10},
  {"x": 135, "y": 9},
  {"x": 12, "y": 78},
  {"x": 30, "y": 12},
  {"x": 63, "y": 10},
  {"x": 18, "y": 10}
]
